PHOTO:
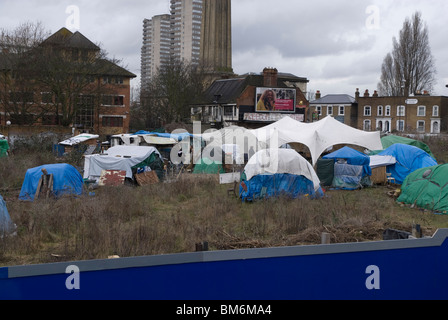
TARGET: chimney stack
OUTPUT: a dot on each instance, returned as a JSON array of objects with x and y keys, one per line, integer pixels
[
  {"x": 318, "y": 95},
  {"x": 270, "y": 76},
  {"x": 366, "y": 93},
  {"x": 375, "y": 94},
  {"x": 357, "y": 94}
]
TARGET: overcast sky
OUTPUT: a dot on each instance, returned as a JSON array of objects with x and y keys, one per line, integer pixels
[{"x": 338, "y": 45}]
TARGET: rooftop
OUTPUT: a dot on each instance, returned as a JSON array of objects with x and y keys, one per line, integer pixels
[{"x": 335, "y": 99}]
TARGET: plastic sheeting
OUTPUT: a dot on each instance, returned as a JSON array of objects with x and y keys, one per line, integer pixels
[
  {"x": 352, "y": 157},
  {"x": 427, "y": 188},
  {"x": 409, "y": 159},
  {"x": 278, "y": 185},
  {"x": 66, "y": 181},
  {"x": 6, "y": 224},
  {"x": 277, "y": 161},
  {"x": 117, "y": 158},
  {"x": 347, "y": 176}
]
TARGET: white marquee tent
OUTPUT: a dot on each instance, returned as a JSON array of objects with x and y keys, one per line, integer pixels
[{"x": 317, "y": 136}]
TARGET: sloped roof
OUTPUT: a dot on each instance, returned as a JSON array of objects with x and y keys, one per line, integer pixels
[
  {"x": 108, "y": 68},
  {"x": 230, "y": 89},
  {"x": 65, "y": 38},
  {"x": 335, "y": 99}
]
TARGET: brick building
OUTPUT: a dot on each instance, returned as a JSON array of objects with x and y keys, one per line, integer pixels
[
  {"x": 234, "y": 101},
  {"x": 84, "y": 91},
  {"x": 421, "y": 113},
  {"x": 342, "y": 107}
]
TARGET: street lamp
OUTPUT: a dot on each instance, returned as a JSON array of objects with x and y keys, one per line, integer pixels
[{"x": 8, "y": 124}]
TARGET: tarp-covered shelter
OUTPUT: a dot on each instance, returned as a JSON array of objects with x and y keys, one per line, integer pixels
[
  {"x": 317, "y": 136},
  {"x": 83, "y": 143},
  {"x": 351, "y": 169},
  {"x": 427, "y": 188},
  {"x": 390, "y": 140},
  {"x": 208, "y": 166},
  {"x": 4, "y": 147},
  {"x": 66, "y": 181},
  {"x": 6, "y": 224},
  {"x": 279, "y": 172},
  {"x": 123, "y": 158},
  {"x": 408, "y": 159}
]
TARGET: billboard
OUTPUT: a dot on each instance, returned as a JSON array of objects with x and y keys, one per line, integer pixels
[{"x": 275, "y": 100}]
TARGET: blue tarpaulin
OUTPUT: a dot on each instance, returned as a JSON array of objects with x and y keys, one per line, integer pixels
[
  {"x": 66, "y": 181},
  {"x": 276, "y": 185},
  {"x": 353, "y": 157},
  {"x": 6, "y": 225},
  {"x": 409, "y": 159}
]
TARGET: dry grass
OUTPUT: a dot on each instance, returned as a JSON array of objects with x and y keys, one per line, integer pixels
[{"x": 173, "y": 217}]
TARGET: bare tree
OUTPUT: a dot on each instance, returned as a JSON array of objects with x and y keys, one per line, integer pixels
[
  {"x": 16, "y": 85},
  {"x": 410, "y": 67},
  {"x": 170, "y": 92},
  {"x": 48, "y": 78}
]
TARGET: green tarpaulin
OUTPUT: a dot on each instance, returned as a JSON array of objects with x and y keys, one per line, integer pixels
[
  {"x": 389, "y": 140},
  {"x": 427, "y": 188},
  {"x": 4, "y": 147},
  {"x": 207, "y": 166}
]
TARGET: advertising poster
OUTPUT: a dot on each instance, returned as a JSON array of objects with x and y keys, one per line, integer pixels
[{"x": 275, "y": 100}]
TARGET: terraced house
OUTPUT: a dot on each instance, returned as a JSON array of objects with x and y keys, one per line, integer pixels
[
  {"x": 420, "y": 113},
  {"x": 65, "y": 81}
]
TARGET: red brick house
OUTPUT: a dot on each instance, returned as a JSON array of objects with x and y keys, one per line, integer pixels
[{"x": 76, "y": 87}]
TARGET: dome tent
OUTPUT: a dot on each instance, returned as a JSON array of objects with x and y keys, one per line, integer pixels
[
  {"x": 390, "y": 140},
  {"x": 278, "y": 172},
  {"x": 66, "y": 181},
  {"x": 409, "y": 159},
  {"x": 427, "y": 188}
]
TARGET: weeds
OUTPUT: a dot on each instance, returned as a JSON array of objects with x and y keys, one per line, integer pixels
[{"x": 172, "y": 217}]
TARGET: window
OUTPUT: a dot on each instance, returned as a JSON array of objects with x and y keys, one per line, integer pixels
[
  {"x": 341, "y": 110},
  {"x": 108, "y": 100},
  {"x": 228, "y": 111},
  {"x": 367, "y": 111},
  {"x": 421, "y": 111},
  {"x": 400, "y": 125},
  {"x": 367, "y": 125},
  {"x": 319, "y": 110},
  {"x": 388, "y": 108},
  {"x": 329, "y": 110},
  {"x": 421, "y": 126},
  {"x": 114, "y": 122},
  {"x": 435, "y": 111},
  {"x": 401, "y": 111},
  {"x": 380, "y": 111}
]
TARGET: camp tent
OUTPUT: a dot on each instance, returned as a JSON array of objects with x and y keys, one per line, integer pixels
[
  {"x": 6, "y": 224},
  {"x": 317, "y": 136},
  {"x": 208, "y": 166},
  {"x": 390, "y": 140},
  {"x": 123, "y": 158},
  {"x": 351, "y": 168},
  {"x": 278, "y": 172},
  {"x": 408, "y": 159},
  {"x": 66, "y": 181},
  {"x": 427, "y": 188}
]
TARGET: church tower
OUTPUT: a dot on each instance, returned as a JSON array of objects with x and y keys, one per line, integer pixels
[{"x": 216, "y": 41}]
